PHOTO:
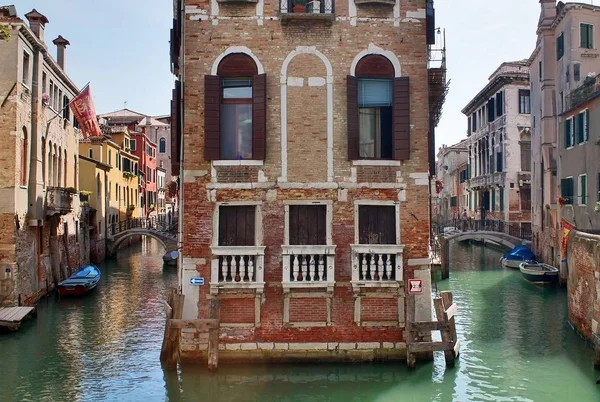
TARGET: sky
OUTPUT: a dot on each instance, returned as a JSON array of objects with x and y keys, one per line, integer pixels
[
  {"x": 122, "y": 49},
  {"x": 120, "y": 46}
]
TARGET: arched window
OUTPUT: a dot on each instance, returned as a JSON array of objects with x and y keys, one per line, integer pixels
[
  {"x": 65, "y": 169},
  {"x": 24, "y": 164},
  {"x": 378, "y": 111},
  {"x": 375, "y": 74},
  {"x": 75, "y": 178},
  {"x": 235, "y": 122},
  {"x": 59, "y": 167},
  {"x": 162, "y": 145},
  {"x": 49, "y": 170},
  {"x": 44, "y": 161}
]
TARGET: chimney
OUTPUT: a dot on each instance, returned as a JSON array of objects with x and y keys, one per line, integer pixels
[
  {"x": 37, "y": 23},
  {"x": 549, "y": 11},
  {"x": 61, "y": 46}
]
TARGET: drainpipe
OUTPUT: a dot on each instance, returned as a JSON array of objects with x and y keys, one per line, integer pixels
[
  {"x": 181, "y": 153},
  {"x": 35, "y": 188}
]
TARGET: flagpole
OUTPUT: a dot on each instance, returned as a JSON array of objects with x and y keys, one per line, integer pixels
[{"x": 59, "y": 113}]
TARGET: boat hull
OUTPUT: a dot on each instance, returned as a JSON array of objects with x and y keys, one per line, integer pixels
[
  {"x": 514, "y": 264},
  {"x": 77, "y": 290},
  {"x": 81, "y": 282},
  {"x": 539, "y": 273}
]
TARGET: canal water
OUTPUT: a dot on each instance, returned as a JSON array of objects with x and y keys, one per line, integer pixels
[{"x": 516, "y": 346}]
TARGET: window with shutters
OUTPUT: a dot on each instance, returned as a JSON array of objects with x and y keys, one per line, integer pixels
[
  {"x": 235, "y": 110},
  {"x": 238, "y": 260},
  {"x": 524, "y": 101},
  {"x": 586, "y": 40},
  {"x": 582, "y": 189},
  {"x": 581, "y": 127},
  {"x": 308, "y": 254},
  {"x": 568, "y": 133},
  {"x": 237, "y": 225},
  {"x": 560, "y": 46},
  {"x": 376, "y": 224},
  {"x": 132, "y": 144},
  {"x": 577, "y": 71},
  {"x": 566, "y": 190},
  {"x": 378, "y": 111},
  {"x": 499, "y": 104},
  {"x": 377, "y": 256}
]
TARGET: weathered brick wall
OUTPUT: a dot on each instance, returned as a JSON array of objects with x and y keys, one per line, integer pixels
[
  {"x": 379, "y": 309},
  {"x": 237, "y": 310},
  {"x": 583, "y": 254},
  {"x": 307, "y": 110}
]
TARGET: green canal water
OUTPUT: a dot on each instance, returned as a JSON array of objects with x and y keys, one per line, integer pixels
[{"x": 516, "y": 346}]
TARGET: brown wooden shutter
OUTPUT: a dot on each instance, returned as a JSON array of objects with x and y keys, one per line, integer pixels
[
  {"x": 212, "y": 117},
  {"x": 352, "y": 121},
  {"x": 259, "y": 117},
  {"x": 236, "y": 225},
  {"x": 401, "y": 118}
]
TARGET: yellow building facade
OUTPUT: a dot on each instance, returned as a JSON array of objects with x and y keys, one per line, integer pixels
[{"x": 121, "y": 185}]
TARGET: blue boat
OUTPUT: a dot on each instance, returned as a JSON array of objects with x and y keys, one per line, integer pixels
[
  {"x": 82, "y": 281},
  {"x": 170, "y": 258},
  {"x": 517, "y": 255}
]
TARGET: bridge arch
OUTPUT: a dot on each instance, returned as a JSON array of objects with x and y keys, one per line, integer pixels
[
  {"x": 168, "y": 243},
  {"x": 500, "y": 238}
]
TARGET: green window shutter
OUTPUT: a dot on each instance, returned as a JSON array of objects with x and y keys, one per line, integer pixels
[
  {"x": 586, "y": 131},
  {"x": 502, "y": 199},
  {"x": 583, "y": 184},
  {"x": 580, "y": 133},
  {"x": 560, "y": 46},
  {"x": 587, "y": 36},
  {"x": 493, "y": 200},
  {"x": 568, "y": 133}
]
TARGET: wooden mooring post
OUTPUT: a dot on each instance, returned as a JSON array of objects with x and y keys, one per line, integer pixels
[
  {"x": 170, "y": 352},
  {"x": 445, "y": 311}
]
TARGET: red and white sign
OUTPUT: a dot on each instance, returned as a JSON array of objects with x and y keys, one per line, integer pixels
[{"x": 415, "y": 286}]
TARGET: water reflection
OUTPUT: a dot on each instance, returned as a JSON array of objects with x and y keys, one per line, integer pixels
[{"x": 515, "y": 341}]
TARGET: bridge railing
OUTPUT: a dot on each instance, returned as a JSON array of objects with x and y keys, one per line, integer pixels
[
  {"x": 511, "y": 229},
  {"x": 151, "y": 223}
]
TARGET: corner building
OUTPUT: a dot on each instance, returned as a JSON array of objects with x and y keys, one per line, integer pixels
[{"x": 305, "y": 169}]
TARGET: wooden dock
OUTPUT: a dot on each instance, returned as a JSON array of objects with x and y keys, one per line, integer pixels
[
  {"x": 445, "y": 311},
  {"x": 12, "y": 317}
]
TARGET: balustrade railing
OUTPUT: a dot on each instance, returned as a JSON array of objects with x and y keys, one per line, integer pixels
[
  {"x": 376, "y": 264},
  {"x": 237, "y": 266},
  {"x": 308, "y": 266},
  {"x": 308, "y": 7}
]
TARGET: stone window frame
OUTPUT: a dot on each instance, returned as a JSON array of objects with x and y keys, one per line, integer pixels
[{"x": 259, "y": 247}]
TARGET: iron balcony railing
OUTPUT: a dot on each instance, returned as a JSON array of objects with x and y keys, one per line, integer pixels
[{"x": 307, "y": 7}]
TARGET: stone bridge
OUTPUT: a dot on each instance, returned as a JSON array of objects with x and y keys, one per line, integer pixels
[
  {"x": 499, "y": 233},
  {"x": 166, "y": 234}
]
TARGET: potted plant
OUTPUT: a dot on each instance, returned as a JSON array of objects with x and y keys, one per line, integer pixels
[
  {"x": 597, "y": 208},
  {"x": 562, "y": 201},
  {"x": 299, "y": 6}
]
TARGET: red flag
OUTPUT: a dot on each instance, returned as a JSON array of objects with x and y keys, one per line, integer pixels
[{"x": 85, "y": 113}]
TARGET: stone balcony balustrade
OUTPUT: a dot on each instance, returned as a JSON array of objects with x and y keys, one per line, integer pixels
[
  {"x": 59, "y": 201},
  {"x": 308, "y": 266},
  {"x": 237, "y": 267},
  {"x": 376, "y": 265}
]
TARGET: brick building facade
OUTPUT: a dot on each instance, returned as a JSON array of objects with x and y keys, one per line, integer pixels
[{"x": 305, "y": 174}]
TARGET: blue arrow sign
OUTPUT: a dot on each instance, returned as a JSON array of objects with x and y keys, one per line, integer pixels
[{"x": 196, "y": 281}]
